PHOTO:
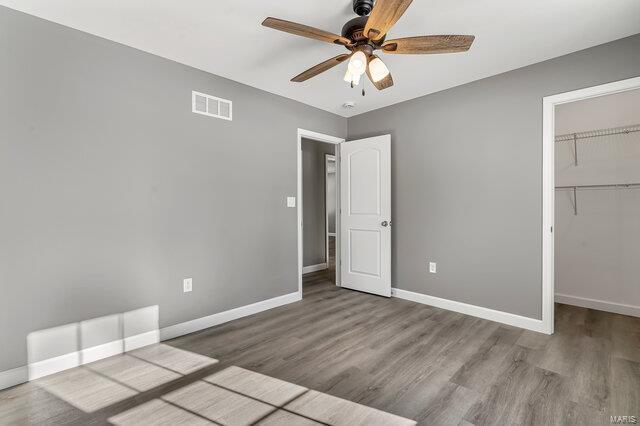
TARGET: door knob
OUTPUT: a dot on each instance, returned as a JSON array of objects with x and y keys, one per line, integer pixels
[{"x": 384, "y": 223}]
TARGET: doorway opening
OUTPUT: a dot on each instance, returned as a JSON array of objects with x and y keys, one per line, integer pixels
[
  {"x": 579, "y": 179},
  {"x": 318, "y": 251},
  {"x": 363, "y": 212}
]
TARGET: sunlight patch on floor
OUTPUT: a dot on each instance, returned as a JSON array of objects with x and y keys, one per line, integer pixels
[
  {"x": 174, "y": 359},
  {"x": 85, "y": 389},
  {"x": 236, "y": 396},
  {"x": 100, "y": 384}
]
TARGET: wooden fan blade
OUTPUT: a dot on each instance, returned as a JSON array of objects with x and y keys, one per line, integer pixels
[
  {"x": 305, "y": 31},
  {"x": 429, "y": 44},
  {"x": 320, "y": 68},
  {"x": 385, "y": 13},
  {"x": 382, "y": 84}
]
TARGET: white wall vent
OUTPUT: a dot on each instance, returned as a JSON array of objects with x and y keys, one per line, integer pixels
[{"x": 211, "y": 106}]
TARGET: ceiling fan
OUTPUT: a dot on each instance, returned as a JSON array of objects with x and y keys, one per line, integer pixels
[{"x": 367, "y": 33}]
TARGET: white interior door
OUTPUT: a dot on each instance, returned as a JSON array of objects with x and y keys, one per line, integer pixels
[{"x": 365, "y": 217}]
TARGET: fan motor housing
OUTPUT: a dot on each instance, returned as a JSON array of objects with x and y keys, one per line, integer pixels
[{"x": 354, "y": 30}]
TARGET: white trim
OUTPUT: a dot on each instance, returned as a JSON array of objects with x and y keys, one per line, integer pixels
[
  {"x": 198, "y": 324},
  {"x": 13, "y": 377},
  {"x": 548, "y": 181},
  {"x": 56, "y": 364},
  {"x": 96, "y": 353},
  {"x": 314, "y": 268},
  {"x": 320, "y": 137},
  {"x": 476, "y": 311},
  {"x": 38, "y": 369},
  {"x": 601, "y": 305},
  {"x": 140, "y": 340}
]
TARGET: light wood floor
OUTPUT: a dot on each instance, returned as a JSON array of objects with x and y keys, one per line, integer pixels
[{"x": 411, "y": 360}]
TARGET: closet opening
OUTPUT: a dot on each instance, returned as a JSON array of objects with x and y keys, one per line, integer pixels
[{"x": 592, "y": 216}]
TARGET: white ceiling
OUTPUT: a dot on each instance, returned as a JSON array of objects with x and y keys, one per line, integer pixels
[{"x": 226, "y": 38}]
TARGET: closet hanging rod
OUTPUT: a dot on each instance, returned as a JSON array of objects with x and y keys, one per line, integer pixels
[
  {"x": 575, "y": 188},
  {"x": 570, "y": 137},
  {"x": 612, "y": 185}
]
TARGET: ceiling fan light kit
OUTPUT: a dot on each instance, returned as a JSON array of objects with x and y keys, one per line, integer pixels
[
  {"x": 358, "y": 62},
  {"x": 353, "y": 79},
  {"x": 378, "y": 69},
  {"x": 365, "y": 34}
]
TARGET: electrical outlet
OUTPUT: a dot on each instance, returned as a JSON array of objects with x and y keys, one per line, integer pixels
[
  {"x": 432, "y": 267},
  {"x": 187, "y": 285},
  {"x": 291, "y": 202}
]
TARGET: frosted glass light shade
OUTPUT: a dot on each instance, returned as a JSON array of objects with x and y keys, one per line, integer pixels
[
  {"x": 349, "y": 77},
  {"x": 378, "y": 70},
  {"x": 358, "y": 63}
]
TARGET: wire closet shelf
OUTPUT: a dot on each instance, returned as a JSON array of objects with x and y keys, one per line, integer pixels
[{"x": 574, "y": 138}]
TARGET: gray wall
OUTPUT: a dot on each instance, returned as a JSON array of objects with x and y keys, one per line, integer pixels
[
  {"x": 467, "y": 178},
  {"x": 313, "y": 207},
  {"x": 597, "y": 251},
  {"x": 112, "y": 191}
]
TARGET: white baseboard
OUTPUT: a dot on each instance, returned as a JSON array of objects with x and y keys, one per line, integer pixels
[
  {"x": 198, "y": 324},
  {"x": 95, "y": 353},
  {"x": 476, "y": 311},
  {"x": 56, "y": 364},
  {"x": 13, "y": 377},
  {"x": 601, "y": 305},
  {"x": 140, "y": 340},
  {"x": 49, "y": 366},
  {"x": 314, "y": 268},
  {"x": 38, "y": 369}
]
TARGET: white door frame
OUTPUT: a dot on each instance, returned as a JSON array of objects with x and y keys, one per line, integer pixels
[
  {"x": 548, "y": 182},
  {"x": 327, "y": 159},
  {"x": 320, "y": 137}
]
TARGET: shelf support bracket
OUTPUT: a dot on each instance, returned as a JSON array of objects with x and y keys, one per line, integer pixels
[
  {"x": 575, "y": 149},
  {"x": 575, "y": 201}
]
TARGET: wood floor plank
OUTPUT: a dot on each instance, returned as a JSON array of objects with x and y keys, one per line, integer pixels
[
  {"x": 256, "y": 386},
  {"x": 86, "y": 390},
  {"x": 337, "y": 411},
  {"x": 282, "y": 417},
  {"x": 581, "y": 415},
  {"x": 625, "y": 383},
  {"x": 480, "y": 370},
  {"x": 625, "y": 334},
  {"x": 591, "y": 383},
  {"x": 533, "y": 340},
  {"x": 523, "y": 394},
  {"x": 158, "y": 412}
]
